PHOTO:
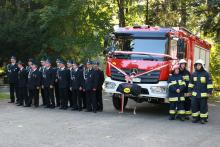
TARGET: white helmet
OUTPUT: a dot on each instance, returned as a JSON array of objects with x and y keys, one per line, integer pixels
[
  {"x": 200, "y": 61},
  {"x": 182, "y": 61}
]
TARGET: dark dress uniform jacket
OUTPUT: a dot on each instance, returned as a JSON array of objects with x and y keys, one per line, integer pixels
[
  {"x": 63, "y": 78},
  {"x": 12, "y": 72},
  {"x": 91, "y": 81},
  {"x": 200, "y": 84},
  {"x": 22, "y": 78},
  {"x": 186, "y": 77},
  {"x": 76, "y": 79},
  {"x": 34, "y": 79},
  {"x": 49, "y": 76},
  {"x": 101, "y": 78}
]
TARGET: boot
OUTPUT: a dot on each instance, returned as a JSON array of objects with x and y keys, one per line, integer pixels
[
  {"x": 172, "y": 117},
  {"x": 195, "y": 120}
]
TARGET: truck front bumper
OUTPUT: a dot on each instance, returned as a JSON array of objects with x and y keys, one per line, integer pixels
[{"x": 158, "y": 90}]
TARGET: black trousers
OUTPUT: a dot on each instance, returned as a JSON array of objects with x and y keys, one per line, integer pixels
[
  {"x": 83, "y": 95},
  {"x": 56, "y": 89},
  {"x": 70, "y": 100},
  {"x": 187, "y": 105},
  {"x": 91, "y": 102},
  {"x": 200, "y": 108},
  {"x": 99, "y": 99},
  {"x": 177, "y": 107},
  {"x": 49, "y": 96},
  {"x": 13, "y": 92},
  {"x": 43, "y": 96},
  {"x": 22, "y": 95},
  {"x": 77, "y": 99},
  {"x": 63, "y": 94},
  {"x": 33, "y": 94}
]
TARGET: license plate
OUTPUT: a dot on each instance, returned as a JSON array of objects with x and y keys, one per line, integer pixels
[{"x": 136, "y": 80}]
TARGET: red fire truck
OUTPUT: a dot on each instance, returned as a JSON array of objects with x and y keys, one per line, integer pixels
[{"x": 145, "y": 56}]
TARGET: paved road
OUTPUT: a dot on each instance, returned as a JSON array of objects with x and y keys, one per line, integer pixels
[{"x": 40, "y": 127}]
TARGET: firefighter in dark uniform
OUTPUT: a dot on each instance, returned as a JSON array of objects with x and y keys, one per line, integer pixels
[
  {"x": 91, "y": 84},
  {"x": 48, "y": 84},
  {"x": 34, "y": 83},
  {"x": 30, "y": 61},
  {"x": 76, "y": 87},
  {"x": 69, "y": 65},
  {"x": 176, "y": 86},
  {"x": 186, "y": 77},
  {"x": 56, "y": 88},
  {"x": 12, "y": 72},
  {"x": 63, "y": 84},
  {"x": 101, "y": 79},
  {"x": 42, "y": 70},
  {"x": 201, "y": 87},
  {"x": 83, "y": 91},
  {"x": 22, "y": 84}
]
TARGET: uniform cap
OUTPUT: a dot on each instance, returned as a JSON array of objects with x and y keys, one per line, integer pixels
[
  {"x": 13, "y": 57},
  {"x": 96, "y": 63},
  {"x": 48, "y": 61},
  {"x": 89, "y": 62},
  {"x": 20, "y": 62},
  {"x": 182, "y": 61}
]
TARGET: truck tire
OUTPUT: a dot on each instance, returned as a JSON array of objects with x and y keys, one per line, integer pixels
[{"x": 117, "y": 101}]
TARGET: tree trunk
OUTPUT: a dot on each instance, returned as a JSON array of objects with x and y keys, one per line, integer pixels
[
  {"x": 121, "y": 14},
  {"x": 147, "y": 13},
  {"x": 183, "y": 14}
]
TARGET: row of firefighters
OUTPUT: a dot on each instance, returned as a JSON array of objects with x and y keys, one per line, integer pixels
[
  {"x": 70, "y": 85},
  {"x": 82, "y": 87},
  {"x": 188, "y": 93}
]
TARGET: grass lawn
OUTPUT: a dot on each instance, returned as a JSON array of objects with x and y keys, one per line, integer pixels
[{"x": 4, "y": 95}]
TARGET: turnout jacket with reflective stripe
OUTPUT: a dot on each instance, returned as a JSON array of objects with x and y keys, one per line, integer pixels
[
  {"x": 200, "y": 84},
  {"x": 175, "y": 82},
  {"x": 186, "y": 77}
]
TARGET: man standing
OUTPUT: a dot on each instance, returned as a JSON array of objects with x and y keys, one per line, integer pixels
[
  {"x": 42, "y": 71},
  {"x": 186, "y": 76},
  {"x": 12, "y": 72},
  {"x": 201, "y": 87},
  {"x": 101, "y": 78},
  {"x": 48, "y": 84},
  {"x": 82, "y": 92},
  {"x": 70, "y": 68},
  {"x": 34, "y": 82},
  {"x": 56, "y": 83},
  {"x": 63, "y": 84},
  {"x": 22, "y": 84},
  {"x": 91, "y": 84},
  {"x": 76, "y": 86}
]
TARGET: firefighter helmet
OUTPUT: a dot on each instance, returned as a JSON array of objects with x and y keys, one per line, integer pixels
[
  {"x": 200, "y": 61},
  {"x": 182, "y": 61}
]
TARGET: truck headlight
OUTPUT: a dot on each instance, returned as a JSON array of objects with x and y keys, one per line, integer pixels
[
  {"x": 159, "y": 89},
  {"x": 110, "y": 85}
]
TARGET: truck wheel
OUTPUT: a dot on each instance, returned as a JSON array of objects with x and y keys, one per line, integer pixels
[{"x": 117, "y": 101}]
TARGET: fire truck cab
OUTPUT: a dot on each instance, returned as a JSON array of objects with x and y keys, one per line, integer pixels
[{"x": 148, "y": 54}]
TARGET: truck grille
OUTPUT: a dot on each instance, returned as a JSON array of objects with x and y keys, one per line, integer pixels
[{"x": 152, "y": 77}]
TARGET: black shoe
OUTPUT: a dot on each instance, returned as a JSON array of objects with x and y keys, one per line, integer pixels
[
  {"x": 182, "y": 118},
  {"x": 80, "y": 109},
  {"x": 27, "y": 106},
  {"x": 202, "y": 121},
  {"x": 172, "y": 118},
  {"x": 195, "y": 120},
  {"x": 20, "y": 105},
  {"x": 187, "y": 118},
  {"x": 47, "y": 107},
  {"x": 74, "y": 109},
  {"x": 64, "y": 108},
  {"x": 52, "y": 107},
  {"x": 11, "y": 102},
  {"x": 88, "y": 111},
  {"x": 94, "y": 111}
]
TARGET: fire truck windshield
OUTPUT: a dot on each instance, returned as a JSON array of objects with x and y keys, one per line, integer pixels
[{"x": 150, "y": 45}]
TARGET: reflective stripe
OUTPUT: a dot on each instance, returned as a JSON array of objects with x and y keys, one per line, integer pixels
[
  {"x": 182, "y": 98},
  {"x": 209, "y": 86},
  {"x": 191, "y": 85},
  {"x": 204, "y": 94},
  {"x": 194, "y": 93},
  {"x": 181, "y": 82},
  {"x": 204, "y": 115},
  {"x": 173, "y": 99},
  {"x": 203, "y": 79},
  {"x": 181, "y": 112},
  {"x": 194, "y": 78},
  {"x": 170, "y": 84},
  {"x": 195, "y": 114},
  {"x": 188, "y": 112},
  {"x": 172, "y": 111},
  {"x": 186, "y": 78}
]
